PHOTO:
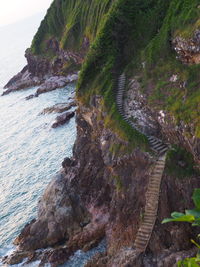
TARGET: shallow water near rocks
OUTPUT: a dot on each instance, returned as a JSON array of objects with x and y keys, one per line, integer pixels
[{"x": 31, "y": 152}]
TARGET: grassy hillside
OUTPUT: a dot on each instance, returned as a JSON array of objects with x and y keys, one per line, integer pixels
[
  {"x": 69, "y": 21},
  {"x": 123, "y": 35}
]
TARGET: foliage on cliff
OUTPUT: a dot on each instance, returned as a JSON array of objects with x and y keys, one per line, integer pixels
[
  {"x": 181, "y": 97},
  {"x": 132, "y": 36},
  {"x": 193, "y": 217},
  {"x": 70, "y": 21}
]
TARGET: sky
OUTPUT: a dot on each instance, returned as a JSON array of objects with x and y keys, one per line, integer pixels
[{"x": 12, "y": 11}]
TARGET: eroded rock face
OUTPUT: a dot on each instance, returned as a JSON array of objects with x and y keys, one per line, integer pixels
[
  {"x": 44, "y": 72},
  {"x": 60, "y": 215},
  {"x": 188, "y": 50},
  {"x": 136, "y": 108},
  {"x": 182, "y": 134},
  {"x": 160, "y": 123},
  {"x": 101, "y": 193}
]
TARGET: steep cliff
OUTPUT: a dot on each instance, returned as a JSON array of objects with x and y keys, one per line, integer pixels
[{"x": 103, "y": 190}]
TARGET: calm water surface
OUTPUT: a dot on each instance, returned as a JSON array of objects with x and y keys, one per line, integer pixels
[{"x": 30, "y": 153}]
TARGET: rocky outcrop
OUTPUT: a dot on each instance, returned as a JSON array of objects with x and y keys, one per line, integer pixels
[
  {"x": 46, "y": 72},
  {"x": 60, "y": 215},
  {"x": 181, "y": 134},
  {"x": 59, "y": 108},
  {"x": 159, "y": 123},
  {"x": 136, "y": 108},
  {"x": 63, "y": 118},
  {"x": 20, "y": 81},
  {"x": 188, "y": 50},
  {"x": 101, "y": 193},
  {"x": 51, "y": 84}
]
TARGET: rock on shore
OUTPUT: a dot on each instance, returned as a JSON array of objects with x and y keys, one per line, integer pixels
[
  {"x": 45, "y": 84},
  {"x": 63, "y": 118},
  {"x": 59, "y": 108}
]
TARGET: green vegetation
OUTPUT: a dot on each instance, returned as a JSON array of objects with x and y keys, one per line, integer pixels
[
  {"x": 180, "y": 163},
  {"x": 193, "y": 217},
  {"x": 181, "y": 98},
  {"x": 111, "y": 52},
  {"x": 70, "y": 21},
  {"x": 123, "y": 34}
]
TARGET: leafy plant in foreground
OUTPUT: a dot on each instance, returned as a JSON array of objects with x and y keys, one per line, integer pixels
[{"x": 193, "y": 217}]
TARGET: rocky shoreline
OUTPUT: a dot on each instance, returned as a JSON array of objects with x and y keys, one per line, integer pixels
[
  {"x": 100, "y": 195},
  {"x": 45, "y": 85},
  {"x": 46, "y": 73}
]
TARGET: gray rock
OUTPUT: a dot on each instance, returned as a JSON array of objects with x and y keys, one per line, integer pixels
[{"x": 62, "y": 119}]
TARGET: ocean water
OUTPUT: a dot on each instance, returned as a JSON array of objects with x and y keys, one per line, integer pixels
[{"x": 31, "y": 152}]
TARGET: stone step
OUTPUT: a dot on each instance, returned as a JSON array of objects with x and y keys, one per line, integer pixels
[
  {"x": 159, "y": 144},
  {"x": 155, "y": 194},
  {"x": 155, "y": 178},
  {"x": 153, "y": 182},
  {"x": 162, "y": 148},
  {"x": 154, "y": 185},
  {"x": 148, "y": 220},
  {"x": 150, "y": 212},
  {"x": 140, "y": 241},
  {"x": 143, "y": 237},
  {"x": 147, "y": 224},
  {"x": 145, "y": 230},
  {"x": 155, "y": 142},
  {"x": 153, "y": 190}
]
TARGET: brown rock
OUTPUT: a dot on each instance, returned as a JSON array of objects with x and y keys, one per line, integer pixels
[
  {"x": 17, "y": 257},
  {"x": 59, "y": 108},
  {"x": 60, "y": 214},
  {"x": 55, "y": 257},
  {"x": 62, "y": 119}
]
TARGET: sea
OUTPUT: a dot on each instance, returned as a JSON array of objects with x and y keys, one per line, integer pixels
[{"x": 31, "y": 152}]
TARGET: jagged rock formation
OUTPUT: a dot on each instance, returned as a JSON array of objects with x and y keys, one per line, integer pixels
[
  {"x": 188, "y": 50},
  {"x": 43, "y": 72}
]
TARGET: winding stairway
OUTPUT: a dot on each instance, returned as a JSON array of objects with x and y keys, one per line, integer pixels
[{"x": 153, "y": 191}]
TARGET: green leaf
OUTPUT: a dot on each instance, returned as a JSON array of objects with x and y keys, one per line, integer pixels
[
  {"x": 196, "y": 198},
  {"x": 179, "y": 217},
  {"x": 176, "y": 214},
  {"x": 188, "y": 262},
  {"x": 194, "y": 212},
  {"x": 196, "y": 244}
]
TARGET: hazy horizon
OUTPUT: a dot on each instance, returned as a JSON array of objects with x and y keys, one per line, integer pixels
[
  {"x": 15, "y": 39},
  {"x": 12, "y": 11}
]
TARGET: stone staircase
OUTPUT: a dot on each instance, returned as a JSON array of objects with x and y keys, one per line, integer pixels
[
  {"x": 151, "y": 207},
  {"x": 153, "y": 191}
]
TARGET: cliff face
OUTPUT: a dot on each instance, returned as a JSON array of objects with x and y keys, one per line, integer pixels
[
  {"x": 61, "y": 42},
  {"x": 101, "y": 191}
]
